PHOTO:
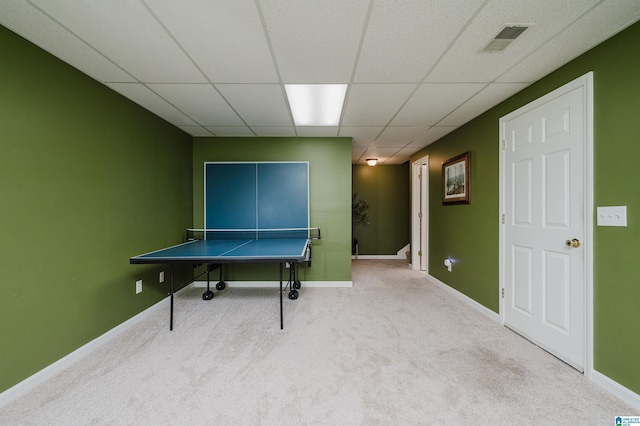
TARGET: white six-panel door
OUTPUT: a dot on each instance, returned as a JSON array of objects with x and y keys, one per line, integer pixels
[{"x": 543, "y": 194}]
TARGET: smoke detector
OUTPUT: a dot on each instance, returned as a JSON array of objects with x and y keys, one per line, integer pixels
[{"x": 504, "y": 38}]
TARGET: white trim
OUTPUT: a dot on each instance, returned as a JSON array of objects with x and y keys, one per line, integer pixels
[
  {"x": 415, "y": 209},
  {"x": 466, "y": 299},
  {"x": 67, "y": 361},
  {"x": 588, "y": 212},
  {"x": 398, "y": 256},
  {"x": 273, "y": 284},
  {"x": 616, "y": 389},
  {"x": 402, "y": 253}
]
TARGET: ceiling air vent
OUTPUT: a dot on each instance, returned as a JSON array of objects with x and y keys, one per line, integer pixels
[{"x": 505, "y": 37}]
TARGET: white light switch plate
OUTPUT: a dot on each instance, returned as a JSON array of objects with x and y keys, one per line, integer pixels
[{"x": 612, "y": 216}]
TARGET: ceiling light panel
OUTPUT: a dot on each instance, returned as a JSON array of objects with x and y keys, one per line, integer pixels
[{"x": 316, "y": 104}]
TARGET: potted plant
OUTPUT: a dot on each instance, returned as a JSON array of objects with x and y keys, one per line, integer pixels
[{"x": 359, "y": 216}]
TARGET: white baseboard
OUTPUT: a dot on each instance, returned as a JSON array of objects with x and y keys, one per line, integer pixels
[
  {"x": 401, "y": 254},
  {"x": 274, "y": 284},
  {"x": 378, "y": 256},
  {"x": 57, "y": 367},
  {"x": 617, "y": 390},
  {"x": 466, "y": 299}
]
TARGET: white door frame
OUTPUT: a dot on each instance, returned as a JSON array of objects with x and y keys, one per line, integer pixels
[
  {"x": 586, "y": 81},
  {"x": 417, "y": 206}
]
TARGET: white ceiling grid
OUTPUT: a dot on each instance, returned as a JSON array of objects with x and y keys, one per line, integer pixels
[{"x": 415, "y": 68}]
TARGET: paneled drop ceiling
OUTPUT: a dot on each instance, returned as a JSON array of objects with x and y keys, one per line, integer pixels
[{"x": 416, "y": 68}]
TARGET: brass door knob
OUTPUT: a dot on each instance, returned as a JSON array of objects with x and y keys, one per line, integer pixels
[{"x": 575, "y": 243}]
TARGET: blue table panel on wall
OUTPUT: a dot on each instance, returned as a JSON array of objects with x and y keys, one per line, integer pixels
[
  {"x": 257, "y": 195},
  {"x": 230, "y": 200},
  {"x": 283, "y": 200}
]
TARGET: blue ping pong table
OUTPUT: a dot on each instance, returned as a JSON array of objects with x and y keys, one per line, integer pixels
[{"x": 218, "y": 252}]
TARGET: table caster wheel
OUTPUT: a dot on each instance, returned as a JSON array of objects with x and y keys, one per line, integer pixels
[
  {"x": 297, "y": 285},
  {"x": 207, "y": 295},
  {"x": 293, "y": 294},
  {"x": 221, "y": 285}
]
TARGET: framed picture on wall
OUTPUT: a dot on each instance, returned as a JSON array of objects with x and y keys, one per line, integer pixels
[{"x": 455, "y": 180}]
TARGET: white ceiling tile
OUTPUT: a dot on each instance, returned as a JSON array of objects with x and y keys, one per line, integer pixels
[
  {"x": 607, "y": 19},
  {"x": 357, "y": 153},
  {"x": 432, "y": 102},
  {"x": 144, "y": 97},
  {"x": 380, "y": 153},
  {"x": 315, "y": 41},
  {"x": 401, "y": 156},
  {"x": 398, "y": 137},
  {"x": 361, "y": 136},
  {"x": 125, "y": 32},
  {"x": 201, "y": 102},
  {"x": 374, "y": 104},
  {"x": 465, "y": 62},
  {"x": 486, "y": 99},
  {"x": 196, "y": 131},
  {"x": 230, "y": 131},
  {"x": 225, "y": 38},
  {"x": 274, "y": 131},
  {"x": 258, "y": 104},
  {"x": 49, "y": 35},
  {"x": 313, "y": 131},
  {"x": 433, "y": 134},
  {"x": 384, "y": 49},
  {"x": 405, "y": 40}
]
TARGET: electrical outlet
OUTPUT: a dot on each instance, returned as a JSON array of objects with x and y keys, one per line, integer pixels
[
  {"x": 161, "y": 276},
  {"x": 138, "y": 286}
]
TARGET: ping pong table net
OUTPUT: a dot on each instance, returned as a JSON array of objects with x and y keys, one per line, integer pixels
[{"x": 252, "y": 234}]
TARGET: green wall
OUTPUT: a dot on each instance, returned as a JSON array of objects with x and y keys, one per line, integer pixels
[
  {"x": 87, "y": 179},
  {"x": 329, "y": 197},
  {"x": 469, "y": 233},
  {"x": 386, "y": 190}
]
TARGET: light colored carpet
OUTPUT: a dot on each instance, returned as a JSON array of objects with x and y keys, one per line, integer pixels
[{"x": 392, "y": 350}]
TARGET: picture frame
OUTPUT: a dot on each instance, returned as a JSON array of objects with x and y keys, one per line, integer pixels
[{"x": 456, "y": 180}]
